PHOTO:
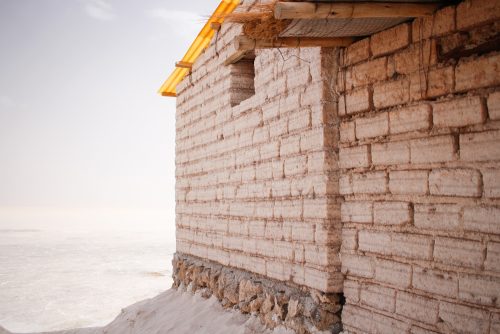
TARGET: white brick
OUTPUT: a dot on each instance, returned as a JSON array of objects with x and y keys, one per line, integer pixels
[
  {"x": 455, "y": 182},
  {"x": 378, "y": 297},
  {"x": 459, "y": 252},
  {"x": 369, "y": 183},
  {"x": 464, "y": 319},
  {"x": 482, "y": 219},
  {"x": 354, "y": 157},
  {"x": 459, "y": 112},
  {"x": 355, "y": 265},
  {"x": 416, "y": 307},
  {"x": 435, "y": 282},
  {"x": 392, "y": 213},
  {"x": 433, "y": 149},
  {"x": 411, "y": 182},
  {"x": 357, "y": 212},
  {"x": 414, "y": 118},
  {"x": 437, "y": 216},
  {"x": 391, "y": 153},
  {"x": 393, "y": 273},
  {"x": 370, "y": 127}
]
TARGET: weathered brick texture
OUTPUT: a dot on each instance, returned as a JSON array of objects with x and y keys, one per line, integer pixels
[
  {"x": 420, "y": 173},
  {"x": 373, "y": 170},
  {"x": 254, "y": 151}
]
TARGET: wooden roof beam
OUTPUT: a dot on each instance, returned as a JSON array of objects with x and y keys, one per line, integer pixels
[
  {"x": 183, "y": 64},
  {"x": 340, "y": 10},
  {"x": 246, "y": 43},
  {"x": 243, "y": 44}
]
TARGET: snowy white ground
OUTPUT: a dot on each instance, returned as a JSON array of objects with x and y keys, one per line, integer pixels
[{"x": 178, "y": 313}]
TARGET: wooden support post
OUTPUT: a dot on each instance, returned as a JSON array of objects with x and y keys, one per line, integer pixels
[
  {"x": 333, "y": 10},
  {"x": 183, "y": 64}
]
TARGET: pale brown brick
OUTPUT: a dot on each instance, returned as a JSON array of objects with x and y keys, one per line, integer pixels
[
  {"x": 354, "y": 157},
  {"x": 416, "y": 307},
  {"x": 411, "y": 246},
  {"x": 414, "y": 118},
  {"x": 385, "y": 324},
  {"x": 484, "y": 290},
  {"x": 295, "y": 165},
  {"x": 356, "y": 265},
  {"x": 493, "y": 257},
  {"x": 347, "y": 132},
  {"x": 390, "y": 40},
  {"x": 393, "y": 273},
  {"x": 372, "y": 126},
  {"x": 482, "y": 219},
  {"x": 458, "y": 252},
  {"x": 357, "y": 318},
  {"x": 321, "y": 208},
  {"x": 352, "y": 290},
  {"x": 378, "y": 297},
  {"x": 391, "y": 93},
  {"x": 355, "y": 101},
  {"x": 270, "y": 150},
  {"x": 433, "y": 149},
  {"x": 459, "y": 112},
  {"x": 455, "y": 182},
  {"x": 345, "y": 185},
  {"x": 290, "y": 145},
  {"x": 375, "y": 242},
  {"x": 357, "y": 52},
  {"x": 392, "y": 213},
  {"x": 369, "y": 183},
  {"x": 367, "y": 72},
  {"x": 475, "y": 12},
  {"x": 481, "y": 146},
  {"x": 357, "y": 212},
  {"x": 432, "y": 83},
  {"x": 491, "y": 183},
  {"x": 494, "y": 106},
  {"x": 442, "y": 22},
  {"x": 391, "y": 153},
  {"x": 435, "y": 282},
  {"x": 408, "y": 182},
  {"x": 415, "y": 57},
  {"x": 349, "y": 239},
  {"x": 464, "y": 319},
  {"x": 477, "y": 73},
  {"x": 437, "y": 216}
]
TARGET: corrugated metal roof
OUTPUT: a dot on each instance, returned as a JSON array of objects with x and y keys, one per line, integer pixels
[{"x": 199, "y": 44}]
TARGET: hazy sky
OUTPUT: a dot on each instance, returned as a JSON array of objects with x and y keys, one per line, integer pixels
[{"x": 81, "y": 124}]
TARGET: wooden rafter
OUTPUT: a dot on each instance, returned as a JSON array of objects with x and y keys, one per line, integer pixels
[
  {"x": 309, "y": 10},
  {"x": 183, "y": 64},
  {"x": 242, "y": 44}
]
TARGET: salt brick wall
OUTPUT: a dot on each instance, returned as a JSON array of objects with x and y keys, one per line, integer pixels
[
  {"x": 257, "y": 182},
  {"x": 420, "y": 174}
]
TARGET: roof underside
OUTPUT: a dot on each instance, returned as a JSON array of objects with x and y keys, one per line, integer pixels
[{"x": 302, "y": 28}]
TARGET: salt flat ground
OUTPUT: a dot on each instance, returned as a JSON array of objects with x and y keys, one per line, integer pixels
[
  {"x": 177, "y": 312},
  {"x": 74, "y": 269}
]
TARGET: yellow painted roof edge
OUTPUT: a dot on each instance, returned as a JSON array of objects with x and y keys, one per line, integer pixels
[{"x": 199, "y": 44}]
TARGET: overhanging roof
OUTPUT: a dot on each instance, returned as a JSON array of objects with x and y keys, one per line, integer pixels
[
  {"x": 199, "y": 44},
  {"x": 309, "y": 22}
]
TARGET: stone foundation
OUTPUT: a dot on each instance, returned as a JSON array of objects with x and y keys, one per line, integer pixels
[{"x": 275, "y": 303}]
